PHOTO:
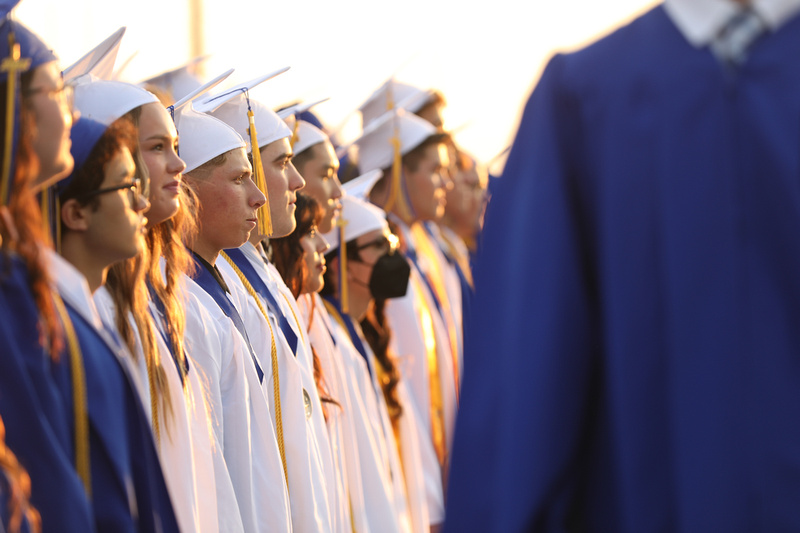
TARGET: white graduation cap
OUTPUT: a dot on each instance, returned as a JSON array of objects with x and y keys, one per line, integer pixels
[
  {"x": 99, "y": 61},
  {"x": 393, "y": 95},
  {"x": 361, "y": 218},
  {"x": 257, "y": 124},
  {"x": 306, "y": 135},
  {"x": 361, "y": 186},
  {"x": 179, "y": 81},
  {"x": 200, "y": 91},
  {"x": 117, "y": 75},
  {"x": 376, "y": 143},
  {"x": 231, "y": 106},
  {"x": 105, "y": 101},
  {"x": 203, "y": 137}
]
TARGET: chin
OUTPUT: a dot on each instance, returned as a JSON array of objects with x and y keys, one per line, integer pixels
[{"x": 50, "y": 175}]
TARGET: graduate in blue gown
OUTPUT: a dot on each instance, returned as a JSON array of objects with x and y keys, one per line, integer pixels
[
  {"x": 633, "y": 360},
  {"x": 101, "y": 223},
  {"x": 38, "y": 417}
]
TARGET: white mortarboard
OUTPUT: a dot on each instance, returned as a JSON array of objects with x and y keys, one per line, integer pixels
[
  {"x": 375, "y": 148},
  {"x": 307, "y": 135},
  {"x": 231, "y": 105},
  {"x": 200, "y": 91},
  {"x": 99, "y": 61},
  {"x": 106, "y": 101},
  {"x": 179, "y": 81},
  {"x": 361, "y": 186},
  {"x": 362, "y": 217},
  {"x": 203, "y": 137},
  {"x": 393, "y": 95}
]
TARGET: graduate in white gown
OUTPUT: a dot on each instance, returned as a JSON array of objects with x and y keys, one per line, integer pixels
[
  {"x": 299, "y": 258},
  {"x": 147, "y": 312},
  {"x": 411, "y": 191},
  {"x": 220, "y": 175},
  {"x": 387, "y": 428},
  {"x": 269, "y": 316}
]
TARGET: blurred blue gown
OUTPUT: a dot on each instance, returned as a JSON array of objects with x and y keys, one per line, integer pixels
[{"x": 632, "y": 361}]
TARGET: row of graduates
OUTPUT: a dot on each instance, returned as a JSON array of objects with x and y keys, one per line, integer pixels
[{"x": 169, "y": 361}]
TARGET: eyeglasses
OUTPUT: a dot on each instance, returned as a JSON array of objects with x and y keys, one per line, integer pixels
[
  {"x": 383, "y": 243},
  {"x": 66, "y": 91},
  {"x": 134, "y": 187}
]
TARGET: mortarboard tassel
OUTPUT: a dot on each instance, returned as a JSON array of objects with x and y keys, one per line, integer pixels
[
  {"x": 343, "y": 291},
  {"x": 293, "y": 139},
  {"x": 264, "y": 216},
  {"x": 12, "y": 64},
  {"x": 395, "y": 195}
]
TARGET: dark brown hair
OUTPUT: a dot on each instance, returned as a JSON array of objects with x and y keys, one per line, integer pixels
[
  {"x": 288, "y": 258},
  {"x": 287, "y": 253}
]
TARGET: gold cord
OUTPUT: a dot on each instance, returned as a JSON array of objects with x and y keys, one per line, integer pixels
[
  {"x": 276, "y": 387},
  {"x": 79, "y": 400}
]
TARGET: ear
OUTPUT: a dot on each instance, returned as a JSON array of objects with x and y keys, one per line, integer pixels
[{"x": 74, "y": 216}]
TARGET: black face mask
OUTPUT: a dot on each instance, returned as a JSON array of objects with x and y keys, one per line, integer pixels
[{"x": 389, "y": 278}]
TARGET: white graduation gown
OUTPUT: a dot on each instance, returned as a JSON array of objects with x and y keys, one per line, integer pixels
[
  {"x": 381, "y": 469},
  {"x": 344, "y": 445},
  {"x": 409, "y": 346},
  {"x": 240, "y": 415},
  {"x": 307, "y": 448}
]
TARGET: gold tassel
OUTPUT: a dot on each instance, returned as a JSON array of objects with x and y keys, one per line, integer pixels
[
  {"x": 12, "y": 64},
  {"x": 343, "y": 292},
  {"x": 264, "y": 216},
  {"x": 44, "y": 203},
  {"x": 293, "y": 139}
]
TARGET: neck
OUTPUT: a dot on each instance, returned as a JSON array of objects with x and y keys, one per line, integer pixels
[
  {"x": 255, "y": 238},
  {"x": 204, "y": 249},
  {"x": 87, "y": 262},
  {"x": 382, "y": 198},
  {"x": 358, "y": 305}
]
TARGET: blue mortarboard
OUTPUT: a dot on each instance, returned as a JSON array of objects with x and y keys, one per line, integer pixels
[
  {"x": 311, "y": 118},
  {"x": 31, "y": 46},
  {"x": 84, "y": 136}
]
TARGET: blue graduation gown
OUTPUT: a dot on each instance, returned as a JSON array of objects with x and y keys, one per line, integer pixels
[
  {"x": 37, "y": 416},
  {"x": 128, "y": 488},
  {"x": 633, "y": 356}
]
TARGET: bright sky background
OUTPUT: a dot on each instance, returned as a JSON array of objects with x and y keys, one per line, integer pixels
[{"x": 485, "y": 57}]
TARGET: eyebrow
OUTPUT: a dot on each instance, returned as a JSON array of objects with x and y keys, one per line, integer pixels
[
  {"x": 282, "y": 157},
  {"x": 161, "y": 137}
]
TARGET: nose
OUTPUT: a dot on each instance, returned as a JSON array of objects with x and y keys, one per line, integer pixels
[
  {"x": 175, "y": 165},
  {"x": 141, "y": 204},
  {"x": 337, "y": 187},
  {"x": 296, "y": 181},
  {"x": 322, "y": 244},
  {"x": 257, "y": 198}
]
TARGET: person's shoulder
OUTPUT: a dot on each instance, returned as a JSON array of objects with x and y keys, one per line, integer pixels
[{"x": 628, "y": 48}]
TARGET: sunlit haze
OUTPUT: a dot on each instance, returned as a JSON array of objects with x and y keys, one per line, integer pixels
[{"x": 485, "y": 58}]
